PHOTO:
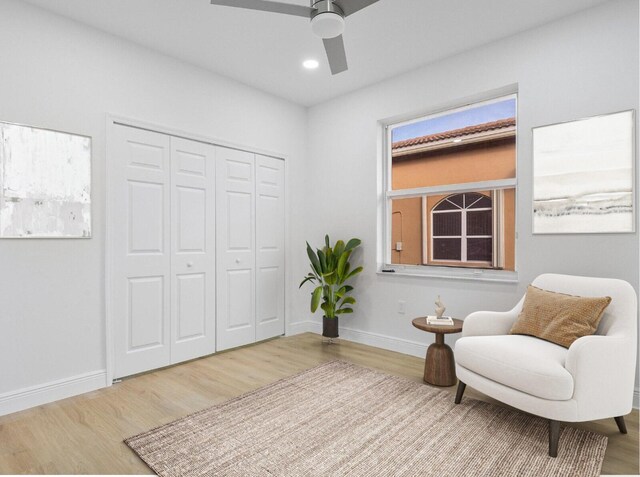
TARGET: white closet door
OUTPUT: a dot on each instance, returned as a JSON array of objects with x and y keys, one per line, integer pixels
[
  {"x": 269, "y": 247},
  {"x": 141, "y": 278},
  {"x": 193, "y": 312},
  {"x": 235, "y": 206}
]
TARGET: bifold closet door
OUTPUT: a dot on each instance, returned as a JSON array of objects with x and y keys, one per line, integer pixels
[
  {"x": 269, "y": 247},
  {"x": 235, "y": 248},
  {"x": 193, "y": 319},
  {"x": 142, "y": 250},
  {"x": 164, "y": 250}
]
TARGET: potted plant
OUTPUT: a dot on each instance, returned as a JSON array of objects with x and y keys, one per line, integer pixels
[{"x": 330, "y": 270}]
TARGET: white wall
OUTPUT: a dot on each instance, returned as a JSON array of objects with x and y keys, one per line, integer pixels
[
  {"x": 580, "y": 66},
  {"x": 58, "y": 74}
]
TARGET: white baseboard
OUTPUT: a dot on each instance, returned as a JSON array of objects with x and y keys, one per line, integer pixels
[
  {"x": 25, "y": 398},
  {"x": 303, "y": 327},
  {"x": 412, "y": 348}
]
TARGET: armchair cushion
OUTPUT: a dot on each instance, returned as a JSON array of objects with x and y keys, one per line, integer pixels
[
  {"x": 525, "y": 363},
  {"x": 558, "y": 317}
]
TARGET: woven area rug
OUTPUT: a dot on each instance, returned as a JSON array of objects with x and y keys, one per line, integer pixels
[{"x": 339, "y": 419}]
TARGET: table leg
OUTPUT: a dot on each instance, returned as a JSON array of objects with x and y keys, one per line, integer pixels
[{"x": 439, "y": 365}]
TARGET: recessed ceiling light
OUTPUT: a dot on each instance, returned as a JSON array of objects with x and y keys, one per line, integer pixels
[{"x": 310, "y": 64}]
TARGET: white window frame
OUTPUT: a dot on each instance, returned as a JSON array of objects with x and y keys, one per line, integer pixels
[{"x": 385, "y": 266}]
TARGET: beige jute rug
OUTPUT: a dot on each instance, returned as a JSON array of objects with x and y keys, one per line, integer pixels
[{"x": 339, "y": 419}]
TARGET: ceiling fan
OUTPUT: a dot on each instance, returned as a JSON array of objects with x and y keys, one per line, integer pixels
[{"x": 327, "y": 21}]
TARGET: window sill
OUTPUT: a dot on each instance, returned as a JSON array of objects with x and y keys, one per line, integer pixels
[{"x": 481, "y": 275}]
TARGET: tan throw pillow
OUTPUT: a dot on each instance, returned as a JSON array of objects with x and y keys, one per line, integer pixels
[{"x": 557, "y": 317}]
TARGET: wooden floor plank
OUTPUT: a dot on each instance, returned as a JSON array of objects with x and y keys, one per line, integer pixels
[{"x": 84, "y": 434}]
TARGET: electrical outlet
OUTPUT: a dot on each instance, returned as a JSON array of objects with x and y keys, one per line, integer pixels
[{"x": 402, "y": 307}]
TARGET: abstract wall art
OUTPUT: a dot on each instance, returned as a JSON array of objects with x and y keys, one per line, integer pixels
[
  {"x": 45, "y": 183},
  {"x": 583, "y": 176}
]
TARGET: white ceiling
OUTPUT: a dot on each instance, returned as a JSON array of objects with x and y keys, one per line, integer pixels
[{"x": 265, "y": 50}]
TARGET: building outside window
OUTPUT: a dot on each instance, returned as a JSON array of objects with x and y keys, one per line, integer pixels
[{"x": 451, "y": 188}]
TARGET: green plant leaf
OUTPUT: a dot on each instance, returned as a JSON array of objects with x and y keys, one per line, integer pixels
[
  {"x": 348, "y": 300},
  {"x": 326, "y": 241},
  {"x": 315, "y": 299},
  {"x": 323, "y": 261},
  {"x": 354, "y": 272},
  {"x": 315, "y": 263},
  {"x": 344, "y": 275},
  {"x": 329, "y": 278},
  {"x": 329, "y": 259},
  {"x": 306, "y": 280},
  {"x": 353, "y": 243},
  {"x": 344, "y": 310},
  {"x": 342, "y": 263},
  {"x": 343, "y": 290},
  {"x": 338, "y": 248}
]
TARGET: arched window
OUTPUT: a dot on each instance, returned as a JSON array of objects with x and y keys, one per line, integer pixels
[{"x": 462, "y": 229}]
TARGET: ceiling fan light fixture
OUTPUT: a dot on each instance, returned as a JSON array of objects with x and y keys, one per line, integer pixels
[{"x": 327, "y": 25}]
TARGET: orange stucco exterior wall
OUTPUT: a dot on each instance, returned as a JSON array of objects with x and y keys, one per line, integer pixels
[
  {"x": 406, "y": 227},
  {"x": 472, "y": 163}
]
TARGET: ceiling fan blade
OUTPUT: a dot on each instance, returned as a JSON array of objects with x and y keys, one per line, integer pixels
[
  {"x": 335, "y": 54},
  {"x": 350, "y": 7},
  {"x": 267, "y": 6}
]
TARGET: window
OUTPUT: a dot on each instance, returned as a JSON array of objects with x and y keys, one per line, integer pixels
[
  {"x": 462, "y": 230},
  {"x": 450, "y": 189}
]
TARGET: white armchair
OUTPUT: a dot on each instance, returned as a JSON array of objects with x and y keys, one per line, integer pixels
[{"x": 593, "y": 379}]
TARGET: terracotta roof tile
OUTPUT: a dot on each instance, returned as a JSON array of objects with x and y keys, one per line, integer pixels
[{"x": 454, "y": 133}]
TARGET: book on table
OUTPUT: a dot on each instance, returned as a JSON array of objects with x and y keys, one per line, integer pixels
[{"x": 434, "y": 320}]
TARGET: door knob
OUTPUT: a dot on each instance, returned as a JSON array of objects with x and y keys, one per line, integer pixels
[
  {"x": 237, "y": 260},
  {"x": 189, "y": 264}
]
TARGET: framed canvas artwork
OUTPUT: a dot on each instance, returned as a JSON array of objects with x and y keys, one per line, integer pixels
[
  {"x": 583, "y": 176},
  {"x": 45, "y": 183}
]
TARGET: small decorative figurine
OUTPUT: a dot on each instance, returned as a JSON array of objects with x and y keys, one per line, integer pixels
[{"x": 439, "y": 307}]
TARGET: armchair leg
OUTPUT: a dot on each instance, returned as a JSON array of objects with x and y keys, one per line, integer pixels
[
  {"x": 460, "y": 392},
  {"x": 621, "y": 424},
  {"x": 554, "y": 437}
]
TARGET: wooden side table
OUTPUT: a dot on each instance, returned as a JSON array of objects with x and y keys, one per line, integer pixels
[{"x": 439, "y": 365}]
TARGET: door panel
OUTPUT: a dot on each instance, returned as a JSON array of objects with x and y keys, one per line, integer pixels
[
  {"x": 191, "y": 219},
  {"x": 141, "y": 264},
  {"x": 235, "y": 207},
  {"x": 270, "y": 209},
  {"x": 146, "y": 217},
  {"x": 268, "y": 294},
  {"x": 239, "y": 221},
  {"x": 192, "y": 306},
  {"x": 144, "y": 155},
  {"x": 239, "y": 309},
  {"x": 191, "y": 164},
  {"x": 193, "y": 309},
  {"x": 146, "y": 305}
]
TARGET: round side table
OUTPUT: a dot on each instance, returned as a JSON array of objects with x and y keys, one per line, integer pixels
[{"x": 439, "y": 365}]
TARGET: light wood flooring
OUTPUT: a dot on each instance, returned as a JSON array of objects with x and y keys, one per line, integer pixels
[{"x": 83, "y": 434}]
